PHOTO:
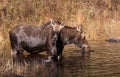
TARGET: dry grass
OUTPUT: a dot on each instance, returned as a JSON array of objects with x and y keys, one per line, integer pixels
[{"x": 100, "y": 18}]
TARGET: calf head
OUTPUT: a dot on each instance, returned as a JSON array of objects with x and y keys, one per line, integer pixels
[
  {"x": 81, "y": 41},
  {"x": 84, "y": 44}
]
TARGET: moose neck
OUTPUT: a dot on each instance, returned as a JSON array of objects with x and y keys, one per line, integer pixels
[{"x": 68, "y": 35}]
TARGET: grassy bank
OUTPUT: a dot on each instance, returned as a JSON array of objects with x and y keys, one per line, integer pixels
[{"x": 100, "y": 18}]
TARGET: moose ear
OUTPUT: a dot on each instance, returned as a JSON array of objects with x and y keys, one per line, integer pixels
[
  {"x": 52, "y": 22},
  {"x": 79, "y": 28},
  {"x": 62, "y": 24},
  {"x": 83, "y": 36},
  {"x": 57, "y": 26}
]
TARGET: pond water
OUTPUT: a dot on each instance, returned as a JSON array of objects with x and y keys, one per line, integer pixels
[{"x": 103, "y": 61}]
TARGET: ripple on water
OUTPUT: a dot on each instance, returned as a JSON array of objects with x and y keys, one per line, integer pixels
[{"x": 103, "y": 62}]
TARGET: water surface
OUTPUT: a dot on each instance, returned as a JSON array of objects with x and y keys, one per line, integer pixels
[{"x": 103, "y": 61}]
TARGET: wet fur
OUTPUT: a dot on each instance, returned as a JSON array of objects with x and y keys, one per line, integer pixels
[
  {"x": 69, "y": 35},
  {"x": 34, "y": 39}
]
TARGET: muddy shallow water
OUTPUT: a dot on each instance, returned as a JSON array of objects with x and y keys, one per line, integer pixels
[{"x": 103, "y": 61}]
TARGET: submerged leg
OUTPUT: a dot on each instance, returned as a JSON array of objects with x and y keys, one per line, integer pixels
[{"x": 60, "y": 47}]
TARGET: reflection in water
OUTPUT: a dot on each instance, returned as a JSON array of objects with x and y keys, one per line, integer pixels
[
  {"x": 34, "y": 66},
  {"x": 76, "y": 66},
  {"x": 103, "y": 62}
]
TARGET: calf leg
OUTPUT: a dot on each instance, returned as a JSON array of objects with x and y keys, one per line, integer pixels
[
  {"x": 60, "y": 48},
  {"x": 59, "y": 51}
]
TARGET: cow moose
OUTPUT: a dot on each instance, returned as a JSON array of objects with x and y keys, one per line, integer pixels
[
  {"x": 35, "y": 39},
  {"x": 69, "y": 35}
]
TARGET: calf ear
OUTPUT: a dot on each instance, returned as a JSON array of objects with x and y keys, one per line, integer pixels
[
  {"x": 84, "y": 37},
  {"x": 79, "y": 28}
]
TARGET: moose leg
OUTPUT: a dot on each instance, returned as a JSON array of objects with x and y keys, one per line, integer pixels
[
  {"x": 52, "y": 48},
  {"x": 16, "y": 53},
  {"x": 59, "y": 51},
  {"x": 60, "y": 48},
  {"x": 52, "y": 53},
  {"x": 15, "y": 45}
]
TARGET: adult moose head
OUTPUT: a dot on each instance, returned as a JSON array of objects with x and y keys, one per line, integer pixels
[
  {"x": 73, "y": 35},
  {"x": 35, "y": 39}
]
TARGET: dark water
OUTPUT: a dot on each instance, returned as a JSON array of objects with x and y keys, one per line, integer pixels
[{"x": 103, "y": 61}]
